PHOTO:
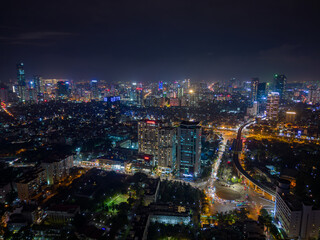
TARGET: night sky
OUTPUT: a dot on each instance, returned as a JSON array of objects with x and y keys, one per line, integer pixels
[{"x": 166, "y": 40}]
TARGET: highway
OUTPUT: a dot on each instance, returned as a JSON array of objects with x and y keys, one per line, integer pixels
[{"x": 237, "y": 150}]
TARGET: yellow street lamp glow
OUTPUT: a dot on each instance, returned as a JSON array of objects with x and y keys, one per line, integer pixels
[{"x": 190, "y": 91}]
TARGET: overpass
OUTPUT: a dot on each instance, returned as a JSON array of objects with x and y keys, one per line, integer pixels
[{"x": 258, "y": 186}]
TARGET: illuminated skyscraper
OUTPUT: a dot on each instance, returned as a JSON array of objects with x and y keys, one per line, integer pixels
[
  {"x": 189, "y": 149},
  {"x": 280, "y": 82},
  {"x": 63, "y": 89},
  {"x": 94, "y": 89},
  {"x": 37, "y": 80},
  {"x": 21, "y": 83},
  {"x": 254, "y": 89},
  {"x": 273, "y": 106},
  {"x": 148, "y": 135},
  {"x": 167, "y": 147},
  {"x": 262, "y": 92}
]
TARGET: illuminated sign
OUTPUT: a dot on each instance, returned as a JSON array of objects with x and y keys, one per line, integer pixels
[{"x": 151, "y": 122}]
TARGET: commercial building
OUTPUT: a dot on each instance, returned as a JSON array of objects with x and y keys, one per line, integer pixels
[
  {"x": 299, "y": 220},
  {"x": 273, "y": 106},
  {"x": 280, "y": 83},
  {"x": 254, "y": 89},
  {"x": 148, "y": 135},
  {"x": 189, "y": 149},
  {"x": 21, "y": 83},
  {"x": 94, "y": 90},
  {"x": 262, "y": 92},
  {"x": 314, "y": 95},
  {"x": 291, "y": 117},
  {"x": 63, "y": 89}
]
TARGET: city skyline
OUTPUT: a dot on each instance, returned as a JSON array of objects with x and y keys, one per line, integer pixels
[{"x": 163, "y": 41}]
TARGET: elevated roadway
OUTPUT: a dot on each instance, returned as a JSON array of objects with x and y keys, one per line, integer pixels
[{"x": 258, "y": 186}]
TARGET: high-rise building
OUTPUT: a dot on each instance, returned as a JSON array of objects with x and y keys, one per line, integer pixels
[
  {"x": 21, "y": 82},
  {"x": 299, "y": 220},
  {"x": 58, "y": 169},
  {"x": 4, "y": 94},
  {"x": 94, "y": 89},
  {"x": 254, "y": 89},
  {"x": 38, "y": 84},
  {"x": 189, "y": 149},
  {"x": 63, "y": 89},
  {"x": 273, "y": 106},
  {"x": 314, "y": 95},
  {"x": 167, "y": 147},
  {"x": 148, "y": 136},
  {"x": 280, "y": 82},
  {"x": 262, "y": 92}
]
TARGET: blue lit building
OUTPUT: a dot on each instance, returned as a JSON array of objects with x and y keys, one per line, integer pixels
[
  {"x": 189, "y": 149},
  {"x": 280, "y": 82},
  {"x": 94, "y": 89},
  {"x": 63, "y": 89},
  {"x": 21, "y": 82}
]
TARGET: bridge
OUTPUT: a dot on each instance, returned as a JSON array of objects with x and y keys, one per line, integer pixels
[{"x": 256, "y": 185}]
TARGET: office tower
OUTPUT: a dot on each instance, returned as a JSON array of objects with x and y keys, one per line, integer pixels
[
  {"x": 291, "y": 117},
  {"x": 280, "y": 82},
  {"x": 160, "y": 85},
  {"x": 4, "y": 94},
  {"x": 167, "y": 147},
  {"x": 63, "y": 89},
  {"x": 21, "y": 83},
  {"x": 262, "y": 92},
  {"x": 253, "y": 109},
  {"x": 148, "y": 135},
  {"x": 180, "y": 92},
  {"x": 254, "y": 89},
  {"x": 94, "y": 89},
  {"x": 273, "y": 106},
  {"x": 37, "y": 83},
  {"x": 299, "y": 220},
  {"x": 189, "y": 149},
  {"x": 314, "y": 95},
  {"x": 139, "y": 94}
]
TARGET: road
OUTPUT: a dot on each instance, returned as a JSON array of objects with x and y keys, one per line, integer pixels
[{"x": 242, "y": 194}]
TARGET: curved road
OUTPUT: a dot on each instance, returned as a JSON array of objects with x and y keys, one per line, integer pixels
[{"x": 237, "y": 150}]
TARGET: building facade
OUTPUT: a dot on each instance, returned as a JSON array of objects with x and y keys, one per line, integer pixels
[
  {"x": 148, "y": 137},
  {"x": 189, "y": 149},
  {"x": 273, "y": 106},
  {"x": 299, "y": 220},
  {"x": 167, "y": 147}
]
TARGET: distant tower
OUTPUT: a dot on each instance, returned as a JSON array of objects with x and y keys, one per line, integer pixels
[
  {"x": 37, "y": 83},
  {"x": 21, "y": 82},
  {"x": 189, "y": 148},
  {"x": 94, "y": 89},
  {"x": 273, "y": 106},
  {"x": 262, "y": 92},
  {"x": 254, "y": 89},
  {"x": 280, "y": 82},
  {"x": 63, "y": 89}
]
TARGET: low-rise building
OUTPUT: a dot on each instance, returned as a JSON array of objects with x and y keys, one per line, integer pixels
[{"x": 61, "y": 214}]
